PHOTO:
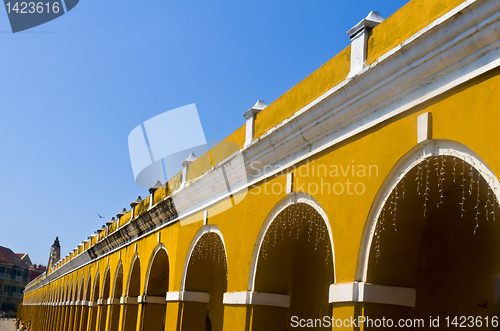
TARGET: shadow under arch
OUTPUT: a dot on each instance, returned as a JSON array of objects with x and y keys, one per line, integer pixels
[
  {"x": 156, "y": 286},
  {"x": 293, "y": 264},
  {"x": 93, "y": 310},
  {"x": 432, "y": 234},
  {"x": 72, "y": 306},
  {"x": 132, "y": 292},
  {"x": 204, "y": 281},
  {"x": 85, "y": 303},
  {"x": 116, "y": 293},
  {"x": 63, "y": 319},
  {"x": 103, "y": 302},
  {"x": 79, "y": 297}
]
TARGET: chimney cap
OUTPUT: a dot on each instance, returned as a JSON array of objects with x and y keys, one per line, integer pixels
[
  {"x": 123, "y": 212},
  {"x": 371, "y": 21},
  {"x": 136, "y": 202},
  {"x": 257, "y": 108},
  {"x": 111, "y": 221},
  {"x": 156, "y": 186},
  {"x": 190, "y": 159}
]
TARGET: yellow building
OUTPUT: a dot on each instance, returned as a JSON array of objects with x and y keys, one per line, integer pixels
[{"x": 370, "y": 200}]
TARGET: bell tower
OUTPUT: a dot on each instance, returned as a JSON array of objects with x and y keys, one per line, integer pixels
[{"x": 55, "y": 254}]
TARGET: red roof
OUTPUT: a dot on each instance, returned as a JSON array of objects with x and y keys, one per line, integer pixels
[{"x": 7, "y": 256}]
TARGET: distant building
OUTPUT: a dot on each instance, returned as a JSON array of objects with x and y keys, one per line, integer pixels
[
  {"x": 14, "y": 275},
  {"x": 34, "y": 269}
]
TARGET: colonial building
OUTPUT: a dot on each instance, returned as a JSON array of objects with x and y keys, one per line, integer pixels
[
  {"x": 368, "y": 192},
  {"x": 14, "y": 274},
  {"x": 35, "y": 270}
]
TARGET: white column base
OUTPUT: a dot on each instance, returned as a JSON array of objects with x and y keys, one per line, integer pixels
[
  {"x": 254, "y": 298},
  {"x": 364, "y": 292}
]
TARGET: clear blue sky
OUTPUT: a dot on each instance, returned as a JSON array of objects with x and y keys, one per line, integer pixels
[{"x": 71, "y": 91}]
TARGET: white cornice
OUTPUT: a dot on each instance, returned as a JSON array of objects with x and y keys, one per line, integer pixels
[{"x": 457, "y": 47}]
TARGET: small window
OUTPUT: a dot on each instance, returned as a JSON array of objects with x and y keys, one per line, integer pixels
[{"x": 2, "y": 270}]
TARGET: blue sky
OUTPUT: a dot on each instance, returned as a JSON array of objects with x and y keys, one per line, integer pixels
[{"x": 71, "y": 91}]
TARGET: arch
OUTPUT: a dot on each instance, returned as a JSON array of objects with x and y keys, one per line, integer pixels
[
  {"x": 72, "y": 308},
  {"x": 155, "y": 290},
  {"x": 87, "y": 293},
  {"x": 67, "y": 290},
  {"x": 78, "y": 304},
  {"x": 293, "y": 198},
  {"x": 409, "y": 161},
  {"x": 117, "y": 275},
  {"x": 132, "y": 290},
  {"x": 135, "y": 259},
  {"x": 74, "y": 296},
  {"x": 205, "y": 276},
  {"x": 95, "y": 294},
  {"x": 81, "y": 288},
  {"x": 295, "y": 274},
  {"x": 86, "y": 296},
  {"x": 105, "y": 292},
  {"x": 57, "y": 292},
  {"x": 152, "y": 259},
  {"x": 94, "y": 311},
  {"x": 70, "y": 290},
  {"x": 116, "y": 293},
  {"x": 61, "y": 293},
  {"x": 105, "y": 281},
  {"x": 210, "y": 228}
]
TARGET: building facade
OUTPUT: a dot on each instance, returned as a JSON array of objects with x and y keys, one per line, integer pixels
[
  {"x": 13, "y": 278},
  {"x": 369, "y": 194}
]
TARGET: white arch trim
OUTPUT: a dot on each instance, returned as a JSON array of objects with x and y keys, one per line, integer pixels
[
  {"x": 409, "y": 161},
  {"x": 291, "y": 199},
  {"x": 135, "y": 259},
  {"x": 66, "y": 289},
  {"x": 96, "y": 282},
  {"x": 112, "y": 294},
  {"x": 158, "y": 247},
  {"x": 74, "y": 295},
  {"x": 106, "y": 275},
  {"x": 87, "y": 287},
  {"x": 80, "y": 289},
  {"x": 210, "y": 228}
]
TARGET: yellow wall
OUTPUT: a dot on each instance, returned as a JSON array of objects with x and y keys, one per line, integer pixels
[{"x": 467, "y": 114}]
